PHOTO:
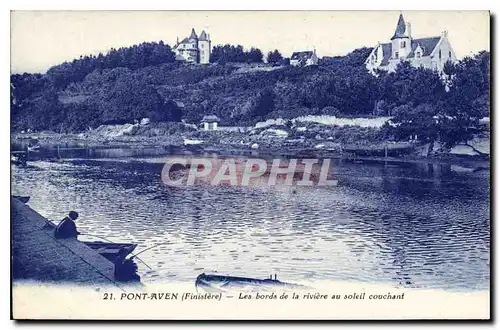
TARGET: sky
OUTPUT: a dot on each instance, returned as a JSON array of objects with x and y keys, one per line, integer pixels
[{"x": 41, "y": 39}]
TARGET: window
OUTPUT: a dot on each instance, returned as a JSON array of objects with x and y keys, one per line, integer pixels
[
  {"x": 202, "y": 45},
  {"x": 396, "y": 55},
  {"x": 449, "y": 54},
  {"x": 403, "y": 44},
  {"x": 418, "y": 54},
  {"x": 440, "y": 54}
]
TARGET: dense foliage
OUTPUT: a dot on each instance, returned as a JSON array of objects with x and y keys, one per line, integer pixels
[
  {"x": 274, "y": 57},
  {"x": 135, "y": 57},
  {"x": 447, "y": 109},
  {"x": 236, "y": 54},
  {"x": 145, "y": 81}
]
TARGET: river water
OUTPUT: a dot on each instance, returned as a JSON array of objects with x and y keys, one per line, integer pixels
[{"x": 405, "y": 224}]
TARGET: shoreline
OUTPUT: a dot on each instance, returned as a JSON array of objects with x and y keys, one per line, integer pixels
[{"x": 175, "y": 144}]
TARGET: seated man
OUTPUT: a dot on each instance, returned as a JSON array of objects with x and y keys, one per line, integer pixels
[{"x": 67, "y": 227}]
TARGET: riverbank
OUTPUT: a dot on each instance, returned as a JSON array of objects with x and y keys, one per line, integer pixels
[{"x": 359, "y": 144}]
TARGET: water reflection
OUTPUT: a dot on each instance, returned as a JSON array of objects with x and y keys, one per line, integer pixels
[{"x": 416, "y": 225}]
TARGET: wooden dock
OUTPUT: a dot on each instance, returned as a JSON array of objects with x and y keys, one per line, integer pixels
[{"x": 38, "y": 256}]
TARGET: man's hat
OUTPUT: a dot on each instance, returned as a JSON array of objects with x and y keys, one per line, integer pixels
[{"x": 73, "y": 215}]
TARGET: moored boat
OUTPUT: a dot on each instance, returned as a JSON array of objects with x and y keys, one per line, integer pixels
[
  {"x": 34, "y": 148},
  {"x": 110, "y": 250},
  {"x": 222, "y": 283},
  {"x": 18, "y": 158}
]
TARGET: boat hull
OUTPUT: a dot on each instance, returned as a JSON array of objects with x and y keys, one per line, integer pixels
[
  {"x": 110, "y": 250},
  {"x": 218, "y": 283}
]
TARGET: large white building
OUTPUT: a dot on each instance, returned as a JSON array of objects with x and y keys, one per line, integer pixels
[
  {"x": 194, "y": 49},
  {"x": 430, "y": 52}
]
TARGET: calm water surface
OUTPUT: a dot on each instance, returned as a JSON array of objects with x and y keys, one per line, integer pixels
[{"x": 411, "y": 225}]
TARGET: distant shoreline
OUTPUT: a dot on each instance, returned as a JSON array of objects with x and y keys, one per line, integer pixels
[{"x": 175, "y": 144}]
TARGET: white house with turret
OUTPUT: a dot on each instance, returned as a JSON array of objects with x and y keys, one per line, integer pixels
[
  {"x": 431, "y": 52},
  {"x": 194, "y": 49}
]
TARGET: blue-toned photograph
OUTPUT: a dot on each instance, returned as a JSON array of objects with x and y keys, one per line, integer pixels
[{"x": 255, "y": 164}]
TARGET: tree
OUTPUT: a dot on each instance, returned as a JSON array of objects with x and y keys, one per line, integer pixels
[
  {"x": 449, "y": 71},
  {"x": 80, "y": 117},
  {"x": 264, "y": 104},
  {"x": 254, "y": 55},
  {"x": 274, "y": 57},
  {"x": 228, "y": 53},
  {"x": 356, "y": 58},
  {"x": 470, "y": 83},
  {"x": 411, "y": 85},
  {"x": 129, "y": 99},
  {"x": 134, "y": 57},
  {"x": 169, "y": 111},
  {"x": 420, "y": 121},
  {"x": 467, "y": 100},
  {"x": 423, "y": 108},
  {"x": 286, "y": 96},
  {"x": 46, "y": 112}
]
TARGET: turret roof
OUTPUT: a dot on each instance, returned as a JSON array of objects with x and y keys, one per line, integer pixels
[
  {"x": 193, "y": 35},
  {"x": 203, "y": 36},
  {"x": 400, "y": 28}
]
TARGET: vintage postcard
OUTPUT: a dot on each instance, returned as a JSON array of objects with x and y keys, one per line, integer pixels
[{"x": 250, "y": 165}]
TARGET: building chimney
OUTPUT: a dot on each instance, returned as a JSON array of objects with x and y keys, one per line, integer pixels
[
  {"x": 207, "y": 30},
  {"x": 408, "y": 29},
  {"x": 444, "y": 34}
]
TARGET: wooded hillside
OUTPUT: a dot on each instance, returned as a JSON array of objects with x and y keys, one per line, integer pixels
[{"x": 145, "y": 81}]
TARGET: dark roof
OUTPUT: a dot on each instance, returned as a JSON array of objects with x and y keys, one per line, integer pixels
[
  {"x": 184, "y": 41},
  {"x": 427, "y": 44},
  {"x": 400, "y": 28},
  {"x": 193, "y": 35},
  {"x": 203, "y": 36},
  {"x": 301, "y": 55},
  {"x": 210, "y": 118}
]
